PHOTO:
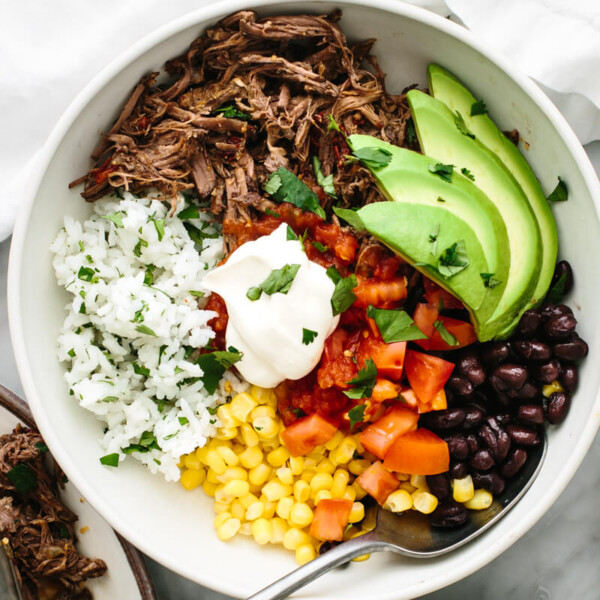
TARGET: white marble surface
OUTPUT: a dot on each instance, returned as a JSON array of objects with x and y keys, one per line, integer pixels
[{"x": 555, "y": 560}]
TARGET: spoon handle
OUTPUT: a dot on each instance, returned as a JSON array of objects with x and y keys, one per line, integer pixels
[{"x": 335, "y": 557}]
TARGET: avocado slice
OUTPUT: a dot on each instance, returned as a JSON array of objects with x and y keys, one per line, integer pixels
[
  {"x": 444, "y": 86},
  {"x": 407, "y": 178},
  {"x": 439, "y": 135}
]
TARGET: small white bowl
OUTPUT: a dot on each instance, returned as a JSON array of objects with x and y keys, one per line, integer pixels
[{"x": 174, "y": 526}]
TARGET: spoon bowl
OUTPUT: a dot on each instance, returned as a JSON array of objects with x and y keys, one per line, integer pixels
[{"x": 411, "y": 534}]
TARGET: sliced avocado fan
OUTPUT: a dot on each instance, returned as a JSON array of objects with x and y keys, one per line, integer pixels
[
  {"x": 444, "y": 135},
  {"x": 444, "y": 86}
]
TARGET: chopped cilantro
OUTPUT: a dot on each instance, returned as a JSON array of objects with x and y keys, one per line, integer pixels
[
  {"x": 462, "y": 126},
  {"x": 440, "y": 199},
  {"x": 478, "y": 108},
  {"x": 350, "y": 216},
  {"x": 149, "y": 275},
  {"x": 557, "y": 290},
  {"x": 272, "y": 213},
  {"x": 171, "y": 435},
  {"x": 489, "y": 281},
  {"x": 159, "y": 225},
  {"x": 444, "y": 171},
  {"x": 298, "y": 412},
  {"x": 214, "y": 365},
  {"x": 116, "y": 218},
  {"x": 372, "y": 157},
  {"x": 183, "y": 420},
  {"x": 145, "y": 330},
  {"x": 410, "y": 132},
  {"x": 63, "y": 532},
  {"x": 82, "y": 310},
  {"x": 110, "y": 460},
  {"x": 445, "y": 334},
  {"x": 199, "y": 235},
  {"x": 395, "y": 325},
  {"x": 87, "y": 274},
  {"x": 325, "y": 182},
  {"x": 320, "y": 247},
  {"x": 560, "y": 192},
  {"x": 364, "y": 382},
  {"x": 279, "y": 281},
  {"x": 137, "y": 250},
  {"x": 197, "y": 293},
  {"x": 453, "y": 259},
  {"x": 284, "y": 186},
  {"x": 343, "y": 297},
  {"x": 109, "y": 399},
  {"x": 332, "y": 124},
  {"x": 231, "y": 112},
  {"x": 356, "y": 414},
  {"x": 23, "y": 478},
  {"x": 291, "y": 234},
  {"x": 81, "y": 246},
  {"x": 141, "y": 369},
  {"x": 308, "y": 336},
  {"x": 253, "y": 293},
  {"x": 433, "y": 237},
  {"x": 334, "y": 274},
  {"x": 41, "y": 447},
  {"x": 189, "y": 212},
  {"x": 467, "y": 174},
  {"x": 71, "y": 352}
]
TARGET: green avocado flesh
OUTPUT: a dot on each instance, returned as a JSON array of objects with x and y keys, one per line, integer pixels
[
  {"x": 405, "y": 229},
  {"x": 448, "y": 89},
  {"x": 407, "y": 179},
  {"x": 440, "y": 137}
]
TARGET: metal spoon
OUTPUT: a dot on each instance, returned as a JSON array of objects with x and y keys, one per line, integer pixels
[
  {"x": 9, "y": 585},
  {"x": 410, "y": 533}
]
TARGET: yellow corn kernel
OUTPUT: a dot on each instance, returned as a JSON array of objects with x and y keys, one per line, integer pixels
[
  {"x": 402, "y": 476},
  {"x": 359, "y": 491},
  {"x": 462, "y": 489},
  {"x": 214, "y": 443},
  {"x": 279, "y": 528},
  {"x": 357, "y": 512},
  {"x": 236, "y": 488},
  {"x": 294, "y": 538},
  {"x": 321, "y": 481},
  {"x": 212, "y": 477},
  {"x": 249, "y": 436},
  {"x": 270, "y": 507},
  {"x": 228, "y": 455},
  {"x": 266, "y": 427},
  {"x": 226, "y": 417},
  {"x": 424, "y": 502},
  {"x": 419, "y": 482},
  {"x": 262, "y": 530},
  {"x": 201, "y": 454},
  {"x": 361, "y": 558},
  {"x": 248, "y": 499},
  {"x": 310, "y": 463},
  {"x": 344, "y": 452},
  {"x": 550, "y": 388},
  {"x": 237, "y": 510},
  {"x": 398, "y": 501},
  {"x": 251, "y": 457},
  {"x": 228, "y": 529},
  {"x": 261, "y": 395},
  {"x": 340, "y": 480},
  {"x": 221, "y": 518},
  {"x": 358, "y": 466},
  {"x": 349, "y": 494},
  {"x": 246, "y": 529},
  {"x": 263, "y": 411},
  {"x": 226, "y": 433},
  {"x": 322, "y": 495},
  {"x": 284, "y": 507},
  {"x": 305, "y": 553},
  {"x": 274, "y": 490},
  {"x": 192, "y": 478},
  {"x": 191, "y": 461},
  {"x": 296, "y": 464},
  {"x": 349, "y": 533},
  {"x": 276, "y": 458},
  {"x": 241, "y": 406},
  {"x": 301, "y": 515},
  {"x": 301, "y": 491},
  {"x": 255, "y": 511},
  {"x": 215, "y": 461},
  {"x": 284, "y": 474},
  {"x": 407, "y": 487},
  {"x": 233, "y": 473},
  {"x": 209, "y": 488},
  {"x": 481, "y": 499},
  {"x": 307, "y": 476},
  {"x": 370, "y": 520},
  {"x": 259, "y": 474},
  {"x": 220, "y": 507},
  {"x": 335, "y": 441},
  {"x": 325, "y": 466}
]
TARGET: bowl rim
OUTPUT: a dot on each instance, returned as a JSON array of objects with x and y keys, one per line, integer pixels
[
  {"x": 15, "y": 405},
  {"x": 214, "y": 12}
]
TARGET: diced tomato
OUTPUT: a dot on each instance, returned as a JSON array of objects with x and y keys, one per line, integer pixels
[
  {"x": 378, "y": 262},
  {"x": 330, "y": 519},
  {"x": 337, "y": 372},
  {"x": 307, "y": 433},
  {"x": 461, "y": 330},
  {"x": 425, "y": 317},
  {"x": 409, "y": 397},
  {"x": 218, "y": 323},
  {"x": 385, "y": 390},
  {"x": 438, "y": 296},
  {"x": 418, "y": 452},
  {"x": 439, "y": 401},
  {"x": 343, "y": 244},
  {"x": 389, "y": 358},
  {"x": 380, "y": 293},
  {"x": 426, "y": 374},
  {"x": 378, "y": 482},
  {"x": 379, "y": 436}
]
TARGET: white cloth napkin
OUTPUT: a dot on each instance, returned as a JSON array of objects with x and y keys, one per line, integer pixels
[{"x": 50, "y": 50}]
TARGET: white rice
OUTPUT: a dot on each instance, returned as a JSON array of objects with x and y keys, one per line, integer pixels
[{"x": 115, "y": 320}]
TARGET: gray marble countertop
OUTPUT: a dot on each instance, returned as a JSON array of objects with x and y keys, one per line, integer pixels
[{"x": 557, "y": 559}]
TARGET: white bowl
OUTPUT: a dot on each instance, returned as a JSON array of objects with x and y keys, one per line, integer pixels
[{"x": 174, "y": 526}]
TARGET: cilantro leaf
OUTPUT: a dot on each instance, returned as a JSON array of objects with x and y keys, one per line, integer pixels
[
  {"x": 350, "y": 216},
  {"x": 462, "y": 126},
  {"x": 320, "y": 247},
  {"x": 332, "y": 124},
  {"x": 189, "y": 212},
  {"x": 140, "y": 369},
  {"x": 364, "y": 382},
  {"x": 279, "y": 281},
  {"x": 478, "y": 108},
  {"x": 197, "y": 294},
  {"x": 145, "y": 330},
  {"x": 560, "y": 192},
  {"x": 445, "y": 334},
  {"x": 453, "y": 259},
  {"x": 272, "y": 213},
  {"x": 557, "y": 290},
  {"x": 308, "y": 336},
  {"x": 41, "y": 447},
  {"x": 343, "y": 297},
  {"x": 290, "y": 235},
  {"x": 137, "y": 250},
  {"x": 87, "y": 274},
  {"x": 433, "y": 237},
  {"x": 372, "y": 157},
  {"x": 109, "y": 399},
  {"x": 334, "y": 274},
  {"x": 489, "y": 281},
  {"x": 231, "y": 112},
  {"x": 110, "y": 460},
  {"x": 199, "y": 235},
  {"x": 183, "y": 421},
  {"x": 298, "y": 412},
  {"x": 159, "y": 225},
  {"x": 467, "y": 174},
  {"x": 23, "y": 478},
  {"x": 214, "y": 365},
  {"x": 149, "y": 275},
  {"x": 116, "y": 218},
  {"x": 444, "y": 171},
  {"x": 356, "y": 414},
  {"x": 253, "y": 293},
  {"x": 395, "y": 325},
  {"x": 284, "y": 186},
  {"x": 325, "y": 182}
]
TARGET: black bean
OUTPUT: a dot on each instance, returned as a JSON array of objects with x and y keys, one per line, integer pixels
[
  {"x": 482, "y": 460},
  {"x": 458, "y": 469},
  {"x": 439, "y": 485},
  {"x": 503, "y": 419},
  {"x": 508, "y": 376},
  {"x": 560, "y": 326},
  {"x": 449, "y": 514},
  {"x": 529, "y": 323},
  {"x": 495, "y": 352},
  {"x": 502, "y": 439},
  {"x": 470, "y": 367},
  {"x": 523, "y": 436},
  {"x": 516, "y": 459},
  {"x": 460, "y": 385},
  {"x": 473, "y": 416},
  {"x": 572, "y": 350},
  {"x": 553, "y": 310},
  {"x": 531, "y": 413},
  {"x": 532, "y": 350},
  {"x": 491, "y": 481},
  {"x": 558, "y": 407},
  {"x": 457, "y": 446},
  {"x": 569, "y": 378},
  {"x": 547, "y": 372},
  {"x": 444, "y": 419},
  {"x": 529, "y": 391},
  {"x": 563, "y": 268},
  {"x": 473, "y": 443}
]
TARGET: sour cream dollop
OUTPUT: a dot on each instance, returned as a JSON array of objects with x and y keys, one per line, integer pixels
[{"x": 269, "y": 331}]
